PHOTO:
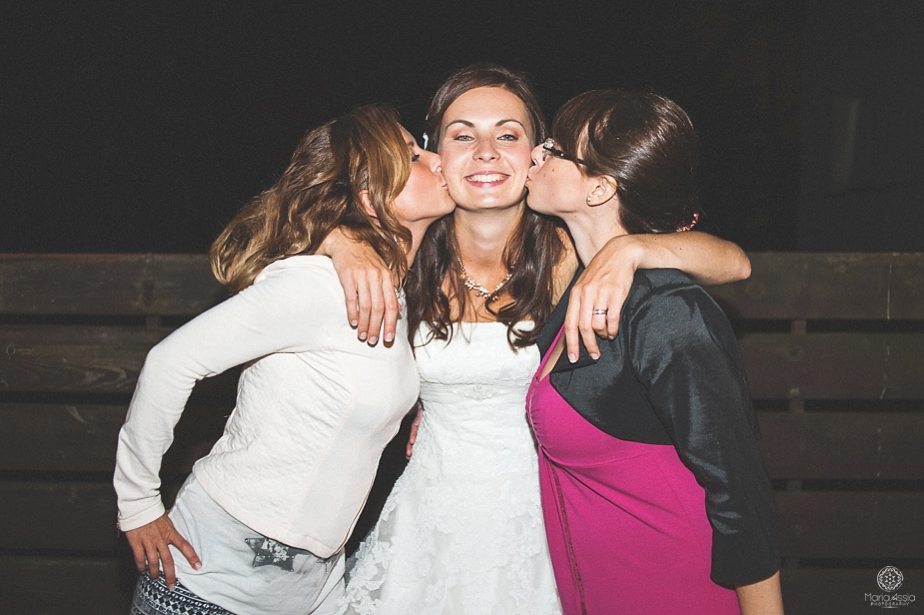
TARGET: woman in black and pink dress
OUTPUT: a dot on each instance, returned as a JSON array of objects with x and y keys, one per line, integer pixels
[{"x": 655, "y": 497}]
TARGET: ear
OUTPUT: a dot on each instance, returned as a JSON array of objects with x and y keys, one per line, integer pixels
[
  {"x": 367, "y": 204},
  {"x": 603, "y": 188}
]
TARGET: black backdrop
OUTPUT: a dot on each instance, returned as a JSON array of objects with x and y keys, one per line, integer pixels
[{"x": 131, "y": 126}]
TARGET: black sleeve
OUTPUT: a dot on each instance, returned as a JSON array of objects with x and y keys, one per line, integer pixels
[{"x": 684, "y": 351}]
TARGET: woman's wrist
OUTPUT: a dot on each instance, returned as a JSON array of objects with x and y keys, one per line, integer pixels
[
  {"x": 331, "y": 245},
  {"x": 629, "y": 250}
]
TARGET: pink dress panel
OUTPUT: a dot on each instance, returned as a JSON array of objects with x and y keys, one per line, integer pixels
[{"x": 626, "y": 521}]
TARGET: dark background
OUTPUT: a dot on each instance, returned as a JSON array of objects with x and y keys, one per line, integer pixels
[{"x": 135, "y": 127}]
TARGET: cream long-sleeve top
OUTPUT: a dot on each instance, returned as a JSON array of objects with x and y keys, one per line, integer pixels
[{"x": 314, "y": 410}]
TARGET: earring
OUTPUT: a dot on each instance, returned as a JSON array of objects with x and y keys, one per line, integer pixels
[{"x": 587, "y": 200}]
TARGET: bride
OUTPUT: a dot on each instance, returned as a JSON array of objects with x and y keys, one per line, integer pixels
[{"x": 462, "y": 530}]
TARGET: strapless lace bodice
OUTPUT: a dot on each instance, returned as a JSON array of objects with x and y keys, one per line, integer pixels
[
  {"x": 473, "y": 390},
  {"x": 477, "y": 365}
]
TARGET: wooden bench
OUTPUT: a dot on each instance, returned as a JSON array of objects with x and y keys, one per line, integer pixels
[{"x": 834, "y": 345}]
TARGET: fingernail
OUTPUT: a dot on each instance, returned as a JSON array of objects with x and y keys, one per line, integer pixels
[
  {"x": 389, "y": 337},
  {"x": 362, "y": 336},
  {"x": 572, "y": 357},
  {"x": 197, "y": 566},
  {"x": 594, "y": 356},
  {"x": 354, "y": 323},
  {"x": 171, "y": 587},
  {"x": 373, "y": 340}
]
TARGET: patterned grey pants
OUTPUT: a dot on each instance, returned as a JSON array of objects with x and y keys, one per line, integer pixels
[{"x": 153, "y": 598}]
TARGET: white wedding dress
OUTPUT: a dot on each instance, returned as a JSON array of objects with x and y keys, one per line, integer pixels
[{"x": 462, "y": 530}]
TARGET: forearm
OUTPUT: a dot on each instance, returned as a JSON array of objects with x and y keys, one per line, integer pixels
[
  {"x": 708, "y": 259},
  {"x": 337, "y": 243},
  {"x": 155, "y": 409},
  {"x": 596, "y": 299},
  {"x": 761, "y": 598}
]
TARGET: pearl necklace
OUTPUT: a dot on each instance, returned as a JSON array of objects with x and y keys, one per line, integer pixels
[{"x": 478, "y": 288}]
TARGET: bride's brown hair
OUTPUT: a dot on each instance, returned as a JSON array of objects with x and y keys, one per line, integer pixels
[{"x": 360, "y": 153}]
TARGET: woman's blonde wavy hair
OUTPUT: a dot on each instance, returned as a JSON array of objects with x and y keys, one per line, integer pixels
[{"x": 362, "y": 151}]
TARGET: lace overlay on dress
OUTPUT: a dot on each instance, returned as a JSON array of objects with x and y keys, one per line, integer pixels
[{"x": 462, "y": 530}]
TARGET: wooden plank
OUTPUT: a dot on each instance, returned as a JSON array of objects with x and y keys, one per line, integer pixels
[
  {"x": 42, "y": 515},
  {"x": 59, "y": 437},
  {"x": 860, "y": 446},
  {"x": 107, "y": 284},
  {"x": 65, "y": 585},
  {"x": 834, "y": 365},
  {"x": 786, "y": 286},
  {"x": 73, "y": 359},
  {"x": 809, "y": 286},
  {"x": 844, "y": 591},
  {"x": 82, "y": 437},
  {"x": 77, "y": 359},
  {"x": 103, "y": 586},
  {"x": 781, "y": 366},
  {"x": 871, "y": 524},
  {"x": 812, "y": 524}
]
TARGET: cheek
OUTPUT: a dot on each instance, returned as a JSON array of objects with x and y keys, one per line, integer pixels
[
  {"x": 451, "y": 166},
  {"x": 451, "y": 153},
  {"x": 521, "y": 159},
  {"x": 414, "y": 191},
  {"x": 546, "y": 177},
  {"x": 552, "y": 184}
]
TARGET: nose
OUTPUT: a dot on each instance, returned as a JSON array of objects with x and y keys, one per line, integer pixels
[
  {"x": 486, "y": 150},
  {"x": 433, "y": 162},
  {"x": 538, "y": 155}
]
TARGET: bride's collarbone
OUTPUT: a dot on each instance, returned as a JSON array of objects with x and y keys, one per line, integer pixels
[{"x": 477, "y": 309}]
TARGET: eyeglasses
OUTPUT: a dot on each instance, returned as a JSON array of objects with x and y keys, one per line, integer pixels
[{"x": 549, "y": 146}]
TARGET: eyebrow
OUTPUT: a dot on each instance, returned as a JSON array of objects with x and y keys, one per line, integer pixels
[{"x": 498, "y": 123}]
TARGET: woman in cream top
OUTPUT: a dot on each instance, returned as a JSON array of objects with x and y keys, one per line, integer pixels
[{"x": 259, "y": 526}]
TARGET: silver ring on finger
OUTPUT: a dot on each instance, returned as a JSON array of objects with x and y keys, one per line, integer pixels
[{"x": 600, "y": 311}]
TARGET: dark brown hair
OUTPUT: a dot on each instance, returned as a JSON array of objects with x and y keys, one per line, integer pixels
[
  {"x": 646, "y": 143},
  {"x": 531, "y": 253},
  {"x": 363, "y": 150}
]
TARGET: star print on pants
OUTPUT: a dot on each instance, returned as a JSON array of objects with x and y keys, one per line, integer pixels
[{"x": 268, "y": 552}]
